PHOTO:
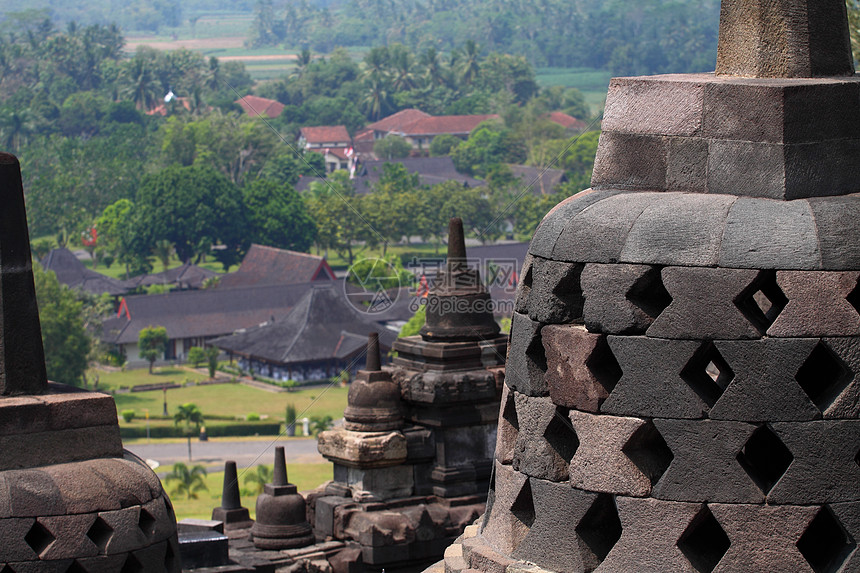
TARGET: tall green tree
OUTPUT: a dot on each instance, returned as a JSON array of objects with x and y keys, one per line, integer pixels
[
  {"x": 191, "y": 417},
  {"x": 152, "y": 342},
  {"x": 277, "y": 217},
  {"x": 189, "y": 481}
]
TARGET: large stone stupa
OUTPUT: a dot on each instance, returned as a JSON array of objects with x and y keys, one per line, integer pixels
[{"x": 682, "y": 385}]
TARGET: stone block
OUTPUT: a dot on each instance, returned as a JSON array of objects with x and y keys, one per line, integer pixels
[
  {"x": 79, "y": 409},
  {"x": 821, "y": 169},
  {"x": 61, "y": 446},
  {"x": 59, "y": 566},
  {"x": 581, "y": 370},
  {"x": 848, "y": 517},
  {"x": 524, "y": 287},
  {"x": 367, "y": 449},
  {"x": 764, "y": 386},
  {"x": 33, "y": 493},
  {"x": 651, "y": 384},
  {"x": 203, "y": 549},
  {"x": 622, "y": 456},
  {"x": 687, "y": 168},
  {"x": 557, "y": 516},
  {"x": 484, "y": 558},
  {"x": 841, "y": 397},
  {"x": 102, "y": 563},
  {"x": 556, "y": 220},
  {"x": 662, "y": 105},
  {"x": 508, "y": 428},
  {"x": 70, "y": 536},
  {"x": 85, "y": 490},
  {"x": 546, "y": 440},
  {"x": 152, "y": 558},
  {"x": 728, "y": 114},
  {"x": 157, "y": 521},
  {"x": 767, "y": 234},
  {"x": 825, "y": 467},
  {"x": 504, "y": 528},
  {"x": 526, "y": 363},
  {"x": 555, "y": 296},
  {"x": 598, "y": 233},
  {"x": 703, "y": 304},
  {"x": 835, "y": 219},
  {"x": 621, "y": 299},
  {"x": 649, "y": 538},
  {"x": 763, "y": 538},
  {"x": 630, "y": 161},
  {"x": 705, "y": 467},
  {"x": 22, "y": 414},
  {"x": 682, "y": 229},
  {"x": 817, "y": 304},
  {"x": 380, "y": 483},
  {"x": 15, "y": 548},
  {"x": 122, "y": 531}
]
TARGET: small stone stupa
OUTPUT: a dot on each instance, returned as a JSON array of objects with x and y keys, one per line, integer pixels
[
  {"x": 683, "y": 381},
  {"x": 281, "y": 515},
  {"x": 70, "y": 498},
  {"x": 230, "y": 512}
]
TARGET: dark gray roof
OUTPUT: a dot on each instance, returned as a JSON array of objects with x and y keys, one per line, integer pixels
[
  {"x": 73, "y": 273},
  {"x": 184, "y": 276},
  {"x": 430, "y": 170},
  {"x": 322, "y": 326},
  {"x": 542, "y": 181}
]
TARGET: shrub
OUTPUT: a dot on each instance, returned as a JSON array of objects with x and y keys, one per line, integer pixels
[
  {"x": 253, "y": 417},
  {"x": 196, "y": 356},
  {"x": 127, "y": 415}
]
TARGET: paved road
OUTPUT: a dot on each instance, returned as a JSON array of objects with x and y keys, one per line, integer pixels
[{"x": 216, "y": 451}]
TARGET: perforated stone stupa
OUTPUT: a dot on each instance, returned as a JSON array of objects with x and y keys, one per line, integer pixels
[
  {"x": 682, "y": 386},
  {"x": 71, "y": 500}
]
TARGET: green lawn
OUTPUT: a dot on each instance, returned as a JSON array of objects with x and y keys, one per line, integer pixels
[
  {"x": 592, "y": 83},
  {"x": 304, "y": 476}
]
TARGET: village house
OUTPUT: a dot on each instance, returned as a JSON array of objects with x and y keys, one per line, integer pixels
[
  {"x": 333, "y": 141},
  {"x": 264, "y": 265},
  {"x": 74, "y": 274},
  {"x": 419, "y": 128},
  {"x": 256, "y": 106}
]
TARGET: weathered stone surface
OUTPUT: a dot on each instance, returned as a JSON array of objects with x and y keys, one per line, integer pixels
[
  {"x": 163, "y": 527},
  {"x": 703, "y": 304},
  {"x": 835, "y": 219},
  {"x": 767, "y": 234},
  {"x": 630, "y": 161},
  {"x": 12, "y": 532},
  {"x": 581, "y": 370},
  {"x": 817, "y": 304},
  {"x": 59, "y": 566},
  {"x": 70, "y": 533},
  {"x": 546, "y": 440},
  {"x": 601, "y": 463},
  {"x": 763, "y": 538},
  {"x": 687, "y": 168},
  {"x": 555, "y": 541},
  {"x": 508, "y": 428},
  {"x": 370, "y": 449},
  {"x": 651, "y": 384},
  {"x": 524, "y": 287},
  {"x": 32, "y": 493},
  {"x": 621, "y": 299},
  {"x": 705, "y": 466},
  {"x": 598, "y": 232},
  {"x": 503, "y": 528},
  {"x": 666, "y": 105},
  {"x": 125, "y": 534},
  {"x": 649, "y": 538},
  {"x": 554, "y": 222},
  {"x": 825, "y": 467},
  {"x": 60, "y": 446},
  {"x": 526, "y": 364},
  {"x": 152, "y": 558},
  {"x": 764, "y": 387},
  {"x": 380, "y": 483},
  {"x": 787, "y": 39},
  {"x": 556, "y": 296},
  {"x": 102, "y": 563},
  {"x": 747, "y": 168},
  {"x": 484, "y": 558},
  {"x": 843, "y": 403},
  {"x": 681, "y": 229},
  {"x": 848, "y": 516}
]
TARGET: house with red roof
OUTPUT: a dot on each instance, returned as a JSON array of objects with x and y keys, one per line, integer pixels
[
  {"x": 257, "y": 106},
  {"x": 420, "y": 128},
  {"x": 333, "y": 141},
  {"x": 567, "y": 121},
  {"x": 264, "y": 265}
]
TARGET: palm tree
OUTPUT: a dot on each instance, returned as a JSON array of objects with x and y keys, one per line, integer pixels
[
  {"x": 139, "y": 83},
  {"x": 188, "y": 480},
  {"x": 433, "y": 73},
  {"x": 375, "y": 99},
  {"x": 259, "y": 478},
  {"x": 189, "y": 414},
  {"x": 470, "y": 67}
]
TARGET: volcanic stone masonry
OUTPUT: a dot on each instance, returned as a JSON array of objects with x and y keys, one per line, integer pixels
[
  {"x": 71, "y": 499},
  {"x": 682, "y": 386}
]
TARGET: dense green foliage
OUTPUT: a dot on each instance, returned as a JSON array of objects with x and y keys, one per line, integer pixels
[{"x": 151, "y": 342}]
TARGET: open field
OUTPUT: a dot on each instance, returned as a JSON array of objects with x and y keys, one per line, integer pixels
[
  {"x": 592, "y": 83},
  {"x": 304, "y": 476}
]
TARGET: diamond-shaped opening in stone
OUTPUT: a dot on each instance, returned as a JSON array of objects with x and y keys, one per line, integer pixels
[
  {"x": 535, "y": 354},
  {"x": 76, "y": 567},
  {"x": 7, "y": 569},
  {"x": 560, "y": 435},
  {"x": 509, "y": 412},
  {"x": 132, "y": 565},
  {"x": 523, "y": 507},
  {"x": 762, "y": 301},
  {"x": 765, "y": 458},
  {"x": 649, "y": 452},
  {"x": 704, "y": 542},
  {"x": 524, "y": 289},
  {"x": 569, "y": 291},
  {"x": 100, "y": 533},
  {"x": 146, "y": 522},
  {"x": 603, "y": 365},
  {"x": 39, "y": 538},
  {"x": 708, "y": 374},
  {"x": 825, "y": 544},
  {"x": 853, "y": 297},
  {"x": 600, "y": 527},
  {"x": 823, "y": 376},
  {"x": 169, "y": 506},
  {"x": 649, "y": 294}
]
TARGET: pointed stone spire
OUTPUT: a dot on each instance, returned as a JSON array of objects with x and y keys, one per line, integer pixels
[
  {"x": 230, "y": 491},
  {"x": 280, "y": 470},
  {"x": 22, "y": 357},
  {"x": 784, "y": 39},
  {"x": 373, "y": 361}
]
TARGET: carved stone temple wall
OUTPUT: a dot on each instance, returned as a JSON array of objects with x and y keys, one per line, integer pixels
[
  {"x": 71, "y": 500},
  {"x": 682, "y": 388}
]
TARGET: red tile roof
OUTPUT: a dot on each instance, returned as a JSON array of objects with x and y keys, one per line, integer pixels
[
  {"x": 399, "y": 120},
  {"x": 268, "y": 265},
  {"x": 255, "y": 106},
  {"x": 454, "y": 124},
  {"x": 566, "y": 121},
  {"x": 326, "y": 134}
]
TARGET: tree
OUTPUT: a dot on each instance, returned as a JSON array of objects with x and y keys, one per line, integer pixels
[
  {"x": 212, "y": 360},
  {"x": 190, "y": 415},
  {"x": 320, "y": 424},
  {"x": 189, "y": 481},
  {"x": 152, "y": 342},
  {"x": 64, "y": 337},
  {"x": 414, "y": 324},
  {"x": 259, "y": 478},
  {"x": 392, "y": 147},
  {"x": 443, "y": 144},
  {"x": 196, "y": 356},
  {"x": 277, "y": 217}
]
